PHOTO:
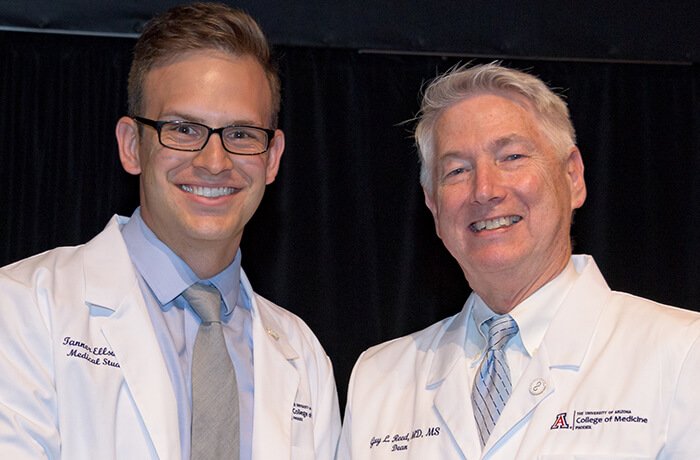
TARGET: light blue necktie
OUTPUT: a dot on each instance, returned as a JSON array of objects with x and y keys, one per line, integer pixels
[
  {"x": 215, "y": 418},
  {"x": 492, "y": 384}
]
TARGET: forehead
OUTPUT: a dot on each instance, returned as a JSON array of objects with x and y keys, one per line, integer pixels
[
  {"x": 207, "y": 81},
  {"x": 483, "y": 118}
]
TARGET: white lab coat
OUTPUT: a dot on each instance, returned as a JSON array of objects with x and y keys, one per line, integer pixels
[
  {"x": 82, "y": 375},
  {"x": 616, "y": 377}
]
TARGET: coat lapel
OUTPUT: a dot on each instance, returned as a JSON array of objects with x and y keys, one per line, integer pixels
[
  {"x": 112, "y": 289},
  {"x": 448, "y": 377},
  {"x": 564, "y": 347},
  {"x": 457, "y": 413},
  {"x": 276, "y": 385},
  {"x": 535, "y": 385}
]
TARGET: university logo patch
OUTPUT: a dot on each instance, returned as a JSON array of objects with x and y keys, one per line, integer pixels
[{"x": 560, "y": 422}]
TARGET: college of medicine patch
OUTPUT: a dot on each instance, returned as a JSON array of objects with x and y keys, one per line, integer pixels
[{"x": 593, "y": 419}]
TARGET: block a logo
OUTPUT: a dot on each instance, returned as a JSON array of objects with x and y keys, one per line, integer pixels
[{"x": 560, "y": 422}]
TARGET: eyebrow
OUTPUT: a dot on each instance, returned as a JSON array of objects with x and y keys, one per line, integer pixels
[
  {"x": 493, "y": 146},
  {"x": 195, "y": 119},
  {"x": 511, "y": 139},
  {"x": 180, "y": 116}
]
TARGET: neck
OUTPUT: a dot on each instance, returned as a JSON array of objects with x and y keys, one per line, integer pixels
[
  {"x": 206, "y": 257},
  {"x": 504, "y": 291},
  {"x": 207, "y": 262}
]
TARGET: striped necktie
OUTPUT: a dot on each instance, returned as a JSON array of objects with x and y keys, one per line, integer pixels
[{"x": 492, "y": 385}]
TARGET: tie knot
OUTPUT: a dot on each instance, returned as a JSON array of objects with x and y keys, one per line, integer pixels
[
  {"x": 205, "y": 300},
  {"x": 501, "y": 330}
]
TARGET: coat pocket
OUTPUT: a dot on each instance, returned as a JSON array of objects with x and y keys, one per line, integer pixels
[{"x": 592, "y": 457}]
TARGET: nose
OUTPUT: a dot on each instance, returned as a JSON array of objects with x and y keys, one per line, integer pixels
[
  {"x": 213, "y": 157},
  {"x": 487, "y": 184}
]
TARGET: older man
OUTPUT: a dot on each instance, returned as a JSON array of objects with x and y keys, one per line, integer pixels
[
  {"x": 544, "y": 360},
  {"x": 149, "y": 341}
]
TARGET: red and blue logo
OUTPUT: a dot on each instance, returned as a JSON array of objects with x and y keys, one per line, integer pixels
[{"x": 560, "y": 422}]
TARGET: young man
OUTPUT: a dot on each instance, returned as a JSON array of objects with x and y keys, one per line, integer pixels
[
  {"x": 107, "y": 352},
  {"x": 544, "y": 360}
]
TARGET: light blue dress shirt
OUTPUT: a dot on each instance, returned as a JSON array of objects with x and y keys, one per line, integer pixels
[{"x": 163, "y": 278}]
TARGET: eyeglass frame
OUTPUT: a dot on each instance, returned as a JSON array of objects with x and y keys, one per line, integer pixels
[{"x": 158, "y": 126}]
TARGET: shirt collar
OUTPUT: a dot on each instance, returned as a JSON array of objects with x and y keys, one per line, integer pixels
[
  {"x": 480, "y": 314},
  {"x": 166, "y": 274},
  {"x": 534, "y": 314}
]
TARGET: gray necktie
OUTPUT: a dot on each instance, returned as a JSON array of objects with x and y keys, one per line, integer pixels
[
  {"x": 492, "y": 384},
  {"x": 215, "y": 424}
]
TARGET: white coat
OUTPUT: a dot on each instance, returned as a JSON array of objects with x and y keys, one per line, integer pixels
[
  {"x": 616, "y": 377},
  {"x": 82, "y": 375}
]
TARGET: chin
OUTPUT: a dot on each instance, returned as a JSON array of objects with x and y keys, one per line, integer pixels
[
  {"x": 211, "y": 229},
  {"x": 494, "y": 261}
]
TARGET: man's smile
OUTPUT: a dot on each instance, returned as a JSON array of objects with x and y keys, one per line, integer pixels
[
  {"x": 208, "y": 192},
  {"x": 492, "y": 224}
]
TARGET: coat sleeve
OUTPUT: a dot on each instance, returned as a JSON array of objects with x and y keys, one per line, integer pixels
[
  {"x": 28, "y": 403},
  {"x": 683, "y": 440},
  {"x": 345, "y": 444},
  {"x": 327, "y": 418}
]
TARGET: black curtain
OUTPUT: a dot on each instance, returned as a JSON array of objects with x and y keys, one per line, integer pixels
[{"x": 343, "y": 238}]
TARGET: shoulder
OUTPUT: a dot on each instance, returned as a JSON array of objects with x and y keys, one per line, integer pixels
[
  {"x": 627, "y": 316},
  {"x": 40, "y": 276},
  {"x": 65, "y": 275},
  {"x": 278, "y": 321},
  {"x": 48, "y": 260},
  {"x": 651, "y": 320},
  {"x": 66, "y": 260},
  {"x": 412, "y": 355},
  {"x": 278, "y": 318},
  {"x": 416, "y": 342},
  {"x": 284, "y": 326},
  {"x": 636, "y": 335}
]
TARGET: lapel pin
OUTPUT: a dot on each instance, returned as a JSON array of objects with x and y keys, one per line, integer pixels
[
  {"x": 537, "y": 387},
  {"x": 273, "y": 334}
]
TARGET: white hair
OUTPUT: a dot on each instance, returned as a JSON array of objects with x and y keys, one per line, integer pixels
[{"x": 462, "y": 82}]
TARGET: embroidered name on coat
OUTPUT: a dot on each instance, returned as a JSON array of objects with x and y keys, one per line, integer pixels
[{"x": 95, "y": 355}]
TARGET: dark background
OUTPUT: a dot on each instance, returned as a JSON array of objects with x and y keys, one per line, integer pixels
[{"x": 343, "y": 238}]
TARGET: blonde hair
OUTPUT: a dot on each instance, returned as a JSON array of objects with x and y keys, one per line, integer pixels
[{"x": 199, "y": 26}]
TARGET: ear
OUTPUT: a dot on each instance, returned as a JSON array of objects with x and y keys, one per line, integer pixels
[
  {"x": 429, "y": 202},
  {"x": 127, "y": 133},
  {"x": 574, "y": 170},
  {"x": 274, "y": 155},
  {"x": 432, "y": 205}
]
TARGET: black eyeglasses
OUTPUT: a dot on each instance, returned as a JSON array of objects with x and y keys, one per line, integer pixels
[{"x": 189, "y": 136}]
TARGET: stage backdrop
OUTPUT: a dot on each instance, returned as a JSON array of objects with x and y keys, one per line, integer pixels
[{"x": 343, "y": 238}]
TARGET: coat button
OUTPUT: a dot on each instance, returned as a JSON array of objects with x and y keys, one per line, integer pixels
[{"x": 537, "y": 387}]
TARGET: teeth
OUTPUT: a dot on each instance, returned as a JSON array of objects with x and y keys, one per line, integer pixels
[
  {"x": 492, "y": 224},
  {"x": 208, "y": 192}
]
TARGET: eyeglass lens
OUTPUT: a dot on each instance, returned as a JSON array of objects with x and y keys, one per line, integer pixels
[{"x": 187, "y": 135}]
